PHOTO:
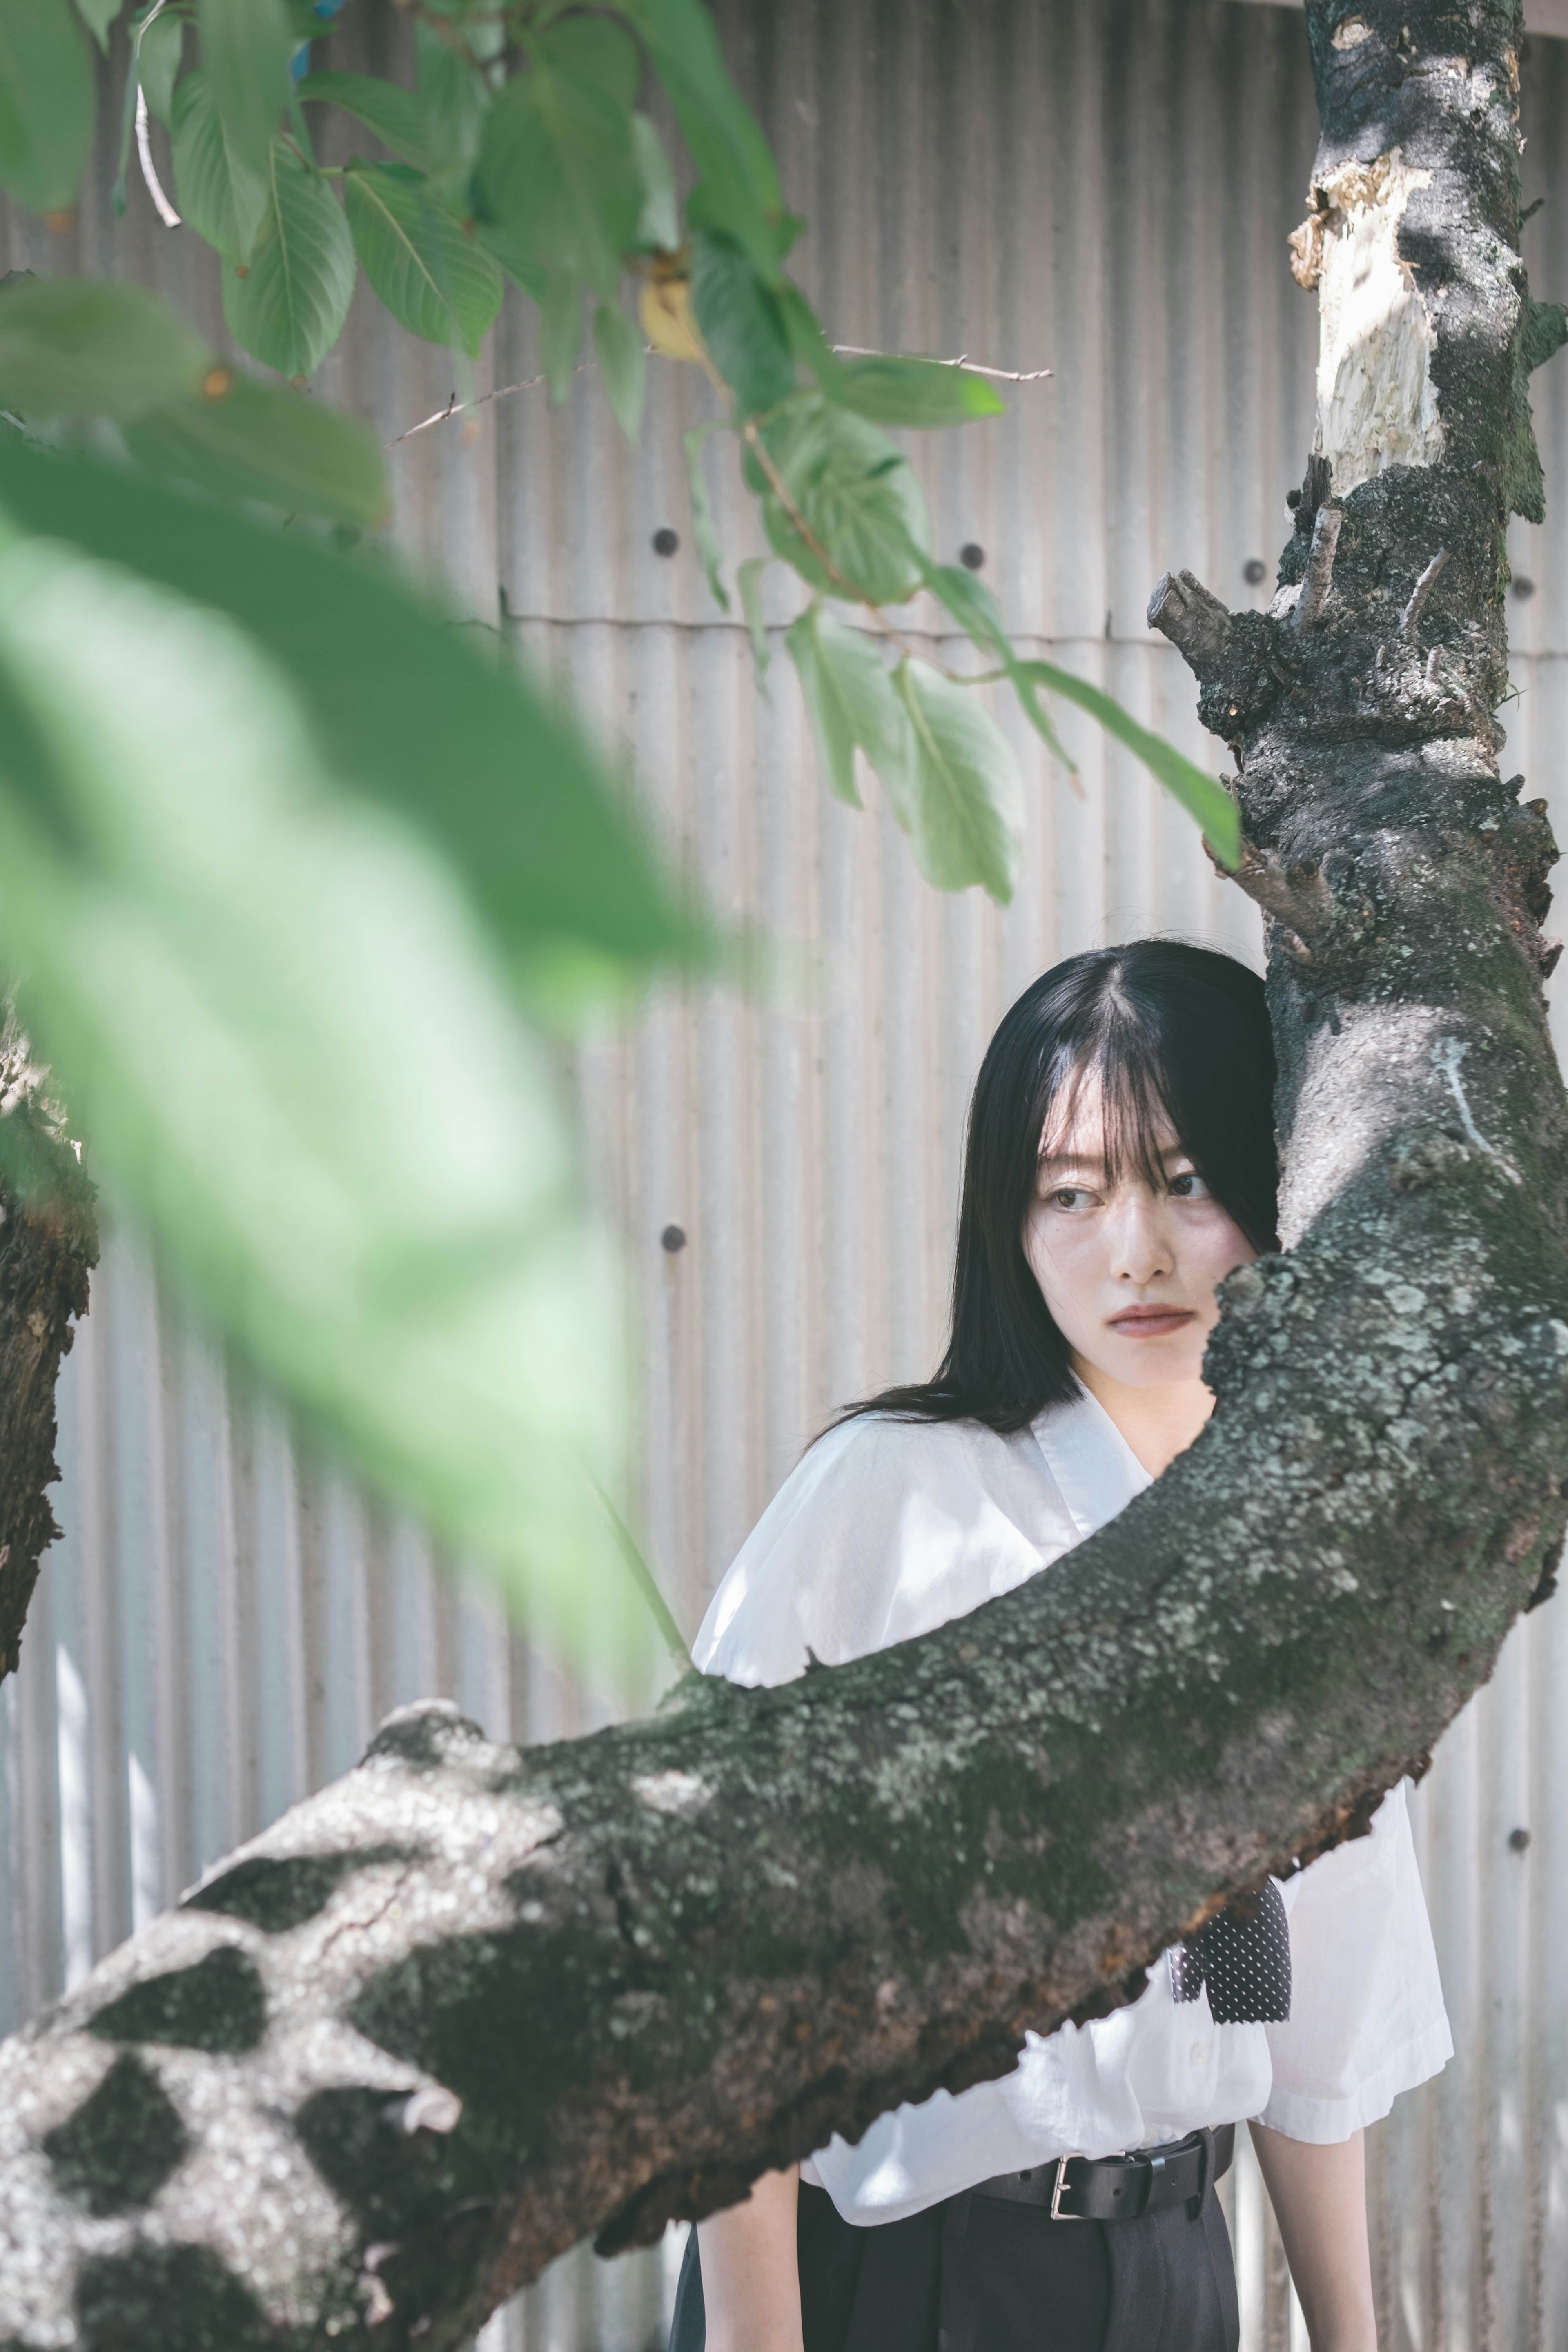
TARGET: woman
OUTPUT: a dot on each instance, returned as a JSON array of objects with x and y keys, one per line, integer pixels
[{"x": 1119, "y": 1163}]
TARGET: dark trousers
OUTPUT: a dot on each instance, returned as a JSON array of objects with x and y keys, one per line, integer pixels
[{"x": 975, "y": 2275}]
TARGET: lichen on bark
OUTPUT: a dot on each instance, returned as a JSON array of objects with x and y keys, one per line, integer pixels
[{"x": 496, "y": 2001}]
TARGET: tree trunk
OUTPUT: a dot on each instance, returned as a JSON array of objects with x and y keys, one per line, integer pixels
[
  {"x": 469, "y": 2003},
  {"x": 48, "y": 1240}
]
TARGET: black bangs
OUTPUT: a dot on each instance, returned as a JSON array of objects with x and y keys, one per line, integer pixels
[{"x": 1156, "y": 1035}]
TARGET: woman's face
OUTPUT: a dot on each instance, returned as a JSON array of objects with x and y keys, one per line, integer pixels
[{"x": 1127, "y": 1270}]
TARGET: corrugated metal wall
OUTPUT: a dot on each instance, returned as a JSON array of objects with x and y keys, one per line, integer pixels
[{"x": 1102, "y": 188}]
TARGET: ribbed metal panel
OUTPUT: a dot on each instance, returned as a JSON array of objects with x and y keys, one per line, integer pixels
[{"x": 1102, "y": 188}]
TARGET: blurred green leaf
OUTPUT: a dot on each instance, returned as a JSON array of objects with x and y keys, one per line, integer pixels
[
  {"x": 558, "y": 167},
  {"x": 221, "y": 198},
  {"x": 246, "y": 48},
  {"x": 515, "y": 257},
  {"x": 411, "y": 712},
  {"x": 159, "y": 55},
  {"x": 1202, "y": 796},
  {"x": 748, "y": 581},
  {"x": 857, "y": 497},
  {"x": 399, "y": 118},
  {"x": 93, "y": 347},
  {"x": 742, "y": 324},
  {"x": 288, "y": 309},
  {"x": 702, "y": 530},
  {"x": 268, "y": 442},
  {"x": 896, "y": 391},
  {"x": 623, "y": 366},
  {"x": 435, "y": 280},
  {"x": 452, "y": 94},
  {"x": 738, "y": 188},
  {"x": 596, "y": 55},
  {"x": 850, "y": 700},
  {"x": 962, "y": 799},
  {"x": 560, "y": 334},
  {"x": 97, "y": 15},
  {"x": 300, "y": 1073},
  {"x": 658, "y": 222},
  {"x": 45, "y": 102}
]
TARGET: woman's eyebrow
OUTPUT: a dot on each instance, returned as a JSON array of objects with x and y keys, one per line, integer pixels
[
  {"x": 1057, "y": 1159},
  {"x": 1088, "y": 1160}
]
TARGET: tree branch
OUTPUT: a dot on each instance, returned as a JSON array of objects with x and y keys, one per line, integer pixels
[
  {"x": 471, "y": 2004},
  {"x": 49, "y": 1240}
]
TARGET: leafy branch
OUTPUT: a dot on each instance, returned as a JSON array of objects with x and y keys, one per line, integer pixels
[
  {"x": 294, "y": 872},
  {"x": 521, "y": 152}
]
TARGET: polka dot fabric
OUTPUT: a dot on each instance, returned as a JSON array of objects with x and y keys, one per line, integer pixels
[{"x": 1243, "y": 1955}]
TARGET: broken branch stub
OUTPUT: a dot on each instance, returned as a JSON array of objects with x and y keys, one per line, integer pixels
[{"x": 1193, "y": 619}]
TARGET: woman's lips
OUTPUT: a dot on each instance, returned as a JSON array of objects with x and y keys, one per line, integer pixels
[{"x": 1150, "y": 1322}]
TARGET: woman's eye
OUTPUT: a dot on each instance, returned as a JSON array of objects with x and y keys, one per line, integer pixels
[
  {"x": 1069, "y": 1196},
  {"x": 1190, "y": 1187}
]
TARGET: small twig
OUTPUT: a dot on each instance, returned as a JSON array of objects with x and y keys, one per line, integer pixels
[
  {"x": 1320, "y": 571},
  {"x": 455, "y": 407},
  {"x": 1422, "y": 589},
  {"x": 854, "y": 351},
  {"x": 166, "y": 212},
  {"x": 970, "y": 367}
]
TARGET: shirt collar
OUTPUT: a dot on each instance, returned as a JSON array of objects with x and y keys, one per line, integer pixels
[{"x": 1091, "y": 1461}]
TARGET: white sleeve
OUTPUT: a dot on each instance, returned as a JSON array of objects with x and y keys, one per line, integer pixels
[
  {"x": 1366, "y": 2017},
  {"x": 882, "y": 1530}
]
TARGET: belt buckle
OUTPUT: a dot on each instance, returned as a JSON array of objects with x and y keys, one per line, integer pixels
[{"x": 1057, "y": 2214}]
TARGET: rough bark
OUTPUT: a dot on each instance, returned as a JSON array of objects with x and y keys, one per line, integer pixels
[
  {"x": 48, "y": 1242},
  {"x": 471, "y": 2004}
]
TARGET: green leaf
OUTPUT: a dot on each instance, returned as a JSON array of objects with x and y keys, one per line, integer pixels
[
  {"x": 558, "y": 168},
  {"x": 702, "y": 530},
  {"x": 738, "y": 188},
  {"x": 748, "y": 579},
  {"x": 977, "y": 611},
  {"x": 595, "y": 54},
  {"x": 289, "y": 307},
  {"x": 658, "y": 222},
  {"x": 410, "y": 710},
  {"x": 742, "y": 324},
  {"x": 961, "y": 801},
  {"x": 859, "y": 499},
  {"x": 560, "y": 334},
  {"x": 850, "y": 700},
  {"x": 158, "y": 54},
  {"x": 896, "y": 391},
  {"x": 452, "y": 94},
  {"x": 246, "y": 48},
  {"x": 280, "y": 1024},
  {"x": 399, "y": 118},
  {"x": 266, "y": 442},
  {"x": 435, "y": 281},
  {"x": 516, "y": 259},
  {"x": 623, "y": 366},
  {"x": 97, "y": 15},
  {"x": 1202, "y": 796},
  {"x": 45, "y": 102},
  {"x": 221, "y": 198},
  {"x": 93, "y": 347}
]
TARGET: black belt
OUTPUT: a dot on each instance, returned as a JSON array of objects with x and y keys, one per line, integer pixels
[{"x": 1119, "y": 2187}]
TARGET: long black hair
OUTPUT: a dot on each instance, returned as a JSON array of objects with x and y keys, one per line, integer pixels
[{"x": 1168, "y": 1031}]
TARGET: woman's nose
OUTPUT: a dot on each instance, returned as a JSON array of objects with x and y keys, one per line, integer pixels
[{"x": 1139, "y": 1242}]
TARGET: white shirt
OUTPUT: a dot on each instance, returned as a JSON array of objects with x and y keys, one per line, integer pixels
[{"x": 887, "y": 1529}]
